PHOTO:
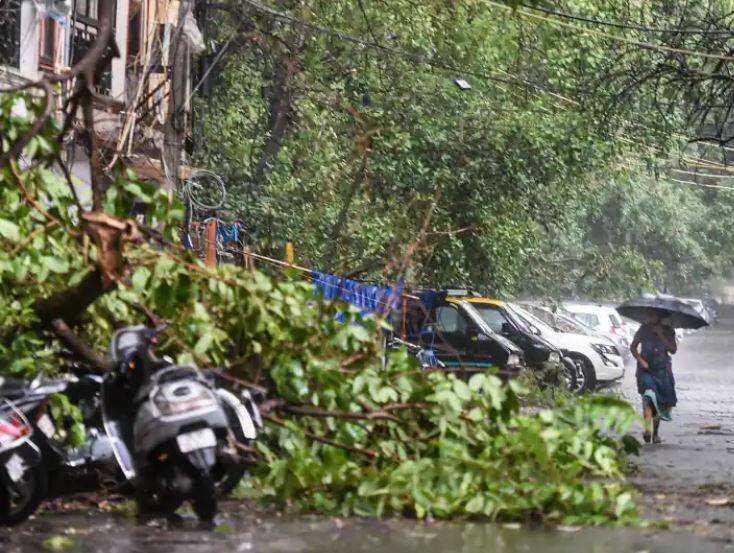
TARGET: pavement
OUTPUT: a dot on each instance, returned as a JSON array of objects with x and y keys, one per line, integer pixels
[{"x": 686, "y": 488}]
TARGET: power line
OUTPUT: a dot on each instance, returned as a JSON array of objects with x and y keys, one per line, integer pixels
[
  {"x": 436, "y": 63},
  {"x": 620, "y": 25},
  {"x": 513, "y": 80},
  {"x": 718, "y": 186},
  {"x": 704, "y": 175},
  {"x": 639, "y": 43}
]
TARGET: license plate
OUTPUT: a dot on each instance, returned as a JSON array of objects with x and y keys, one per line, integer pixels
[
  {"x": 198, "y": 439},
  {"x": 15, "y": 467}
]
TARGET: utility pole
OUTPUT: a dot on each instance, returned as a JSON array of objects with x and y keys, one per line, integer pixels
[{"x": 179, "y": 70}]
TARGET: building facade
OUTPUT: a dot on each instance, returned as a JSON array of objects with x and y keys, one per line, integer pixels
[{"x": 49, "y": 36}]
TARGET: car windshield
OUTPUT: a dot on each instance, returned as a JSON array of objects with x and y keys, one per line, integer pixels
[
  {"x": 589, "y": 319},
  {"x": 492, "y": 315},
  {"x": 475, "y": 316},
  {"x": 531, "y": 319},
  {"x": 568, "y": 324}
]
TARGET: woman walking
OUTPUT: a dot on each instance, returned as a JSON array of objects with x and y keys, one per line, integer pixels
[{"x": 652, "y": 346}]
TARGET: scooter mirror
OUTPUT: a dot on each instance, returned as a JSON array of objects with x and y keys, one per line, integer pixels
[{"x": 161, "y": 327}]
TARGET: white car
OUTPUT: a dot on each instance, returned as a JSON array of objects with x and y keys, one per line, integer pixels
[
  {"x": 631, "y": 327},
  {"x": 603, "y": 319},
  {"x": 597, "y": 356}
]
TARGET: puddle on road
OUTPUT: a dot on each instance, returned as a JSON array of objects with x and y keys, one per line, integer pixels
[{"x": 244, "y": 533}]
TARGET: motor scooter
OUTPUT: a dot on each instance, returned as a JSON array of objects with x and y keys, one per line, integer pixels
[
  {"x": 36, "y": 464},
  {"x": 22, "y": 480},
  {"x": 172, "y": 432}
]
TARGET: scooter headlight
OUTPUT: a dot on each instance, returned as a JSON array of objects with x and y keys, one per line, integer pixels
[
  {"x": 513, "y": 360},
  {"x": 554, "y": 357}
]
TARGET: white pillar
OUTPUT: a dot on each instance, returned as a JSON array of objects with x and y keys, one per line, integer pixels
[
  {"x": 117, "y": 89},
  {"x": 29, "y": 39}
]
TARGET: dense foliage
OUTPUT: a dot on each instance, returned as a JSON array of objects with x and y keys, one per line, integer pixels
[
  {"x": 345, "y": 147},
  {"x": 344, "y": 434},
  {"x": 339, "y": 125}
]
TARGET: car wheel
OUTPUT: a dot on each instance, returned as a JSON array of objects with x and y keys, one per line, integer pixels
[
  {"x": 585, "y": 374},
  {"x": 569, "y": 375}
]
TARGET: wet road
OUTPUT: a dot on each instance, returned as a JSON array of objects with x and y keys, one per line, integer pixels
[
  {"x": 241, "y": 532},
  {"x": 687, "y": 480}
]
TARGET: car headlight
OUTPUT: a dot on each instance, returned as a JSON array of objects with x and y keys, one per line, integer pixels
[
  {"x": 554, "y": 357},
  {"x": 605, "y": 349}
]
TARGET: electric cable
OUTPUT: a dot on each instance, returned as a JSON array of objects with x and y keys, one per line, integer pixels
[
  {"x": 630, "y": 26},
  {"x": 618, "y": 38}
]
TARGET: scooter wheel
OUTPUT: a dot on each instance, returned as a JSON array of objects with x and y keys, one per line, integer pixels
[
  {"x": 20, "y": 501},
  {"x": 150, "y": 504},
  {"x": 229, "y": 480},
  {"x": 204, "y": 500}
]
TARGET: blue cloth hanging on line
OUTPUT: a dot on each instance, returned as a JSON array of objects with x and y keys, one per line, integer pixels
[
  {"x": 229, "y": 232},
  {"x": 369, "y": 298}
]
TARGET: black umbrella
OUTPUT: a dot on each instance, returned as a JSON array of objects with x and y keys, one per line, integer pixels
[{"x": 680, "y": 313}]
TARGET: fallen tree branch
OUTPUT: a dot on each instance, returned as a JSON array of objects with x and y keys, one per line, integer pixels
[
  {"x": 70, "y": 303},
  {"x": 14, "y": 152},
  {"x": 153, "y": 319},
  {"x": 325, "y": 413},
  {"x": 69, "y": 182},
  {"x": 327, "y": 441},
  {"x": 77, "y": 346},
  {"x": 30, "y": 199},
  {"x": 28, "y": 239},
  {"x": 240, "y": 382}
]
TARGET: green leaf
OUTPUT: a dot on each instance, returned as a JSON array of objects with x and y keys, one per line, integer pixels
[{"x": 9, "y": 230}]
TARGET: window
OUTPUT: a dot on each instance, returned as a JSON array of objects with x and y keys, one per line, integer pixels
[
  {"x": 134, "y": 36},
  {"x": 565, "y": 324},
  {"x": 493, "y": 317},
  {"x": 545, "y": 316},
  {"x": 589, "y": 319},
  {"x": 84, "y": 33},
  {"x": 10, "y": 33},
  {"x": 448, "y": 319},
  {"x": 531, "y": 320},
  {"x": 47, "y": 51}
]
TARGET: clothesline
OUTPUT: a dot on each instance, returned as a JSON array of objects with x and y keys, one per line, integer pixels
[{"x": 309, "y": 272}]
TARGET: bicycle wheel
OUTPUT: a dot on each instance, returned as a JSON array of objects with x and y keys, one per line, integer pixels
[{"x": 206, "y": 190}]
